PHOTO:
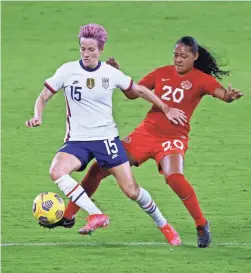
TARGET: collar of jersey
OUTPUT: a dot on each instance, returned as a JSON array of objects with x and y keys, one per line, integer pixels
[{"x": 89, "y": 69}]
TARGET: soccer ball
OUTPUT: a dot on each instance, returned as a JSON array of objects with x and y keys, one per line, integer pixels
[{"x": 48, "y": 207}]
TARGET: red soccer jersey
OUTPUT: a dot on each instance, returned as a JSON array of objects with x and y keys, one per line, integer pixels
[{"x": 182, "y": 92}]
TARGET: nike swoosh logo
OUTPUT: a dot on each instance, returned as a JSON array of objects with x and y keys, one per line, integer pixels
[{"x": 164, "y": 80}]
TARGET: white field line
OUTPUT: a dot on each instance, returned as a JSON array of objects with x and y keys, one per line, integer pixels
[{"x": 115, "y": 244}]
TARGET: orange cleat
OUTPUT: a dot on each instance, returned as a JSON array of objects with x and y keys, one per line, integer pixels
[
  {"x": 94, "y": 221},
  {"x": 171, "y": 235}
]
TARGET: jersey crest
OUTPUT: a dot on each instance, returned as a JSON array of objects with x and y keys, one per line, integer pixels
[
  {"x": 186, "y": 85},
  {"x": 90, "y": 83},
  {"x": 127, "y": 139},
  {"x": 105, "y": 82}
]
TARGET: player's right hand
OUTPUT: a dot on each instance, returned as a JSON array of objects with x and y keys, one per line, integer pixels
[
  {"x": 33, "y": 122},
  {"x": 176, "y": 116}
]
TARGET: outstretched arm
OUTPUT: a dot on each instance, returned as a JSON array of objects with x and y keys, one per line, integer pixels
[
  {"x": 175, "y": 115},
  {"x": 148, "y": 95},
  {"x": 130, "y": 94},
  {"x": 40, "y": 104},
  {"x": 228, "y": 95}
]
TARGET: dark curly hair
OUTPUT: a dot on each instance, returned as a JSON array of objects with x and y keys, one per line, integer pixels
[{"x": 206, "y": 61}]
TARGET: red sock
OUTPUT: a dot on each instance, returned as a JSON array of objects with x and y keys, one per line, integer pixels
[
  {"x": 186, "y": 193},
  {"x": 90, "y": 183}
]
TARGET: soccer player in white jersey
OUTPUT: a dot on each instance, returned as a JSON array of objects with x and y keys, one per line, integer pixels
[{"x": 88, "y": 86}]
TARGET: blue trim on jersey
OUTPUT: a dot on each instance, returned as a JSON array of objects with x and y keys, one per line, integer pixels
[
  {"x": 129, "y": 87},
  {"x": 89, "y": 69}
]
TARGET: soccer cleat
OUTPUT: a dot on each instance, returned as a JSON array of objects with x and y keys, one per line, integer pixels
[
  {"x": 61, "y": 223},
  {"x": 171, "y": 235},
  {"x": 204, "y": 235},
  {"x": 94, "y": 221}
]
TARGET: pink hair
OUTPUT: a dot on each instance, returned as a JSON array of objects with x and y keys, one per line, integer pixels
[{"x": 94, "y": 31}]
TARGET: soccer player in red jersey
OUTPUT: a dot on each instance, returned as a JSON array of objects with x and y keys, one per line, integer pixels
[{"x": 181, "y": 85}]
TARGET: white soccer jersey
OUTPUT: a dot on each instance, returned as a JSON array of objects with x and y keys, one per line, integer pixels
[{"x": 88, "y": 95}]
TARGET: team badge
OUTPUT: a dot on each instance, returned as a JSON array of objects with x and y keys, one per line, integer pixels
[
  {"x": 186, "y": 85},
  {"x": 90, "y": 83},
  {"x": 127, "y": 139},
  {"x": 105, "y": 82}
]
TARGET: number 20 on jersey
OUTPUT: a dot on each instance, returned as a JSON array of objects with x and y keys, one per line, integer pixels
[{"x": 176, "y": 95}]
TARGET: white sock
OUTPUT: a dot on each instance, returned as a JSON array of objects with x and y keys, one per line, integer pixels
[
  {"x": 146, "y": 202},
  {"x": 76, "y": 194}
]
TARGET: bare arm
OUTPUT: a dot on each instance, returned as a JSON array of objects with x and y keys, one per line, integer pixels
[
  {"x": 175, "y": 115},
  {"x": 130, "y": 94},
  {"x": 148, "y": 95},
  {"x": 40, "y": 104},
  {"x": 227, "y": 95}
]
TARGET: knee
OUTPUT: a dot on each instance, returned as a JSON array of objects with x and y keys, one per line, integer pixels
[
  {"x": 172, "y": 165},
  {"x": 56, "y": 172},
  {"x": 132, "y": 191}
]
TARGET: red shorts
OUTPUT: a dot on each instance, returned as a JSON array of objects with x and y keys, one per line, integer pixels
[{"x": 143, "y": 146}]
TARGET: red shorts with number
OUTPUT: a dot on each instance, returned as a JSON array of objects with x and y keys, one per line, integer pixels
[{"x": 143, "y": 146}]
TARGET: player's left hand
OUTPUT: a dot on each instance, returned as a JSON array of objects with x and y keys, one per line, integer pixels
[
  {"x": 111, "y": 61},
  {"x": 233, "y": 94}
]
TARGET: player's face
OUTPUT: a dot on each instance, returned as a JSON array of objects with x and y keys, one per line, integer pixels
[
  {"x": 90, "y": 52},
  {"x": 183, "y": 58}
]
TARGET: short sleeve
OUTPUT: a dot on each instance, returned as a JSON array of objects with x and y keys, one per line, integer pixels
[
  {"x": 209, "y": 85},
  {"x": 56, "y": 82},
  {"x": 148, "y": 81},
  {"x": 122, "y": 81}
]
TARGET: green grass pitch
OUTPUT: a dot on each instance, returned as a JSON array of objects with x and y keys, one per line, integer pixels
[{"x": 36, "y": 39}]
